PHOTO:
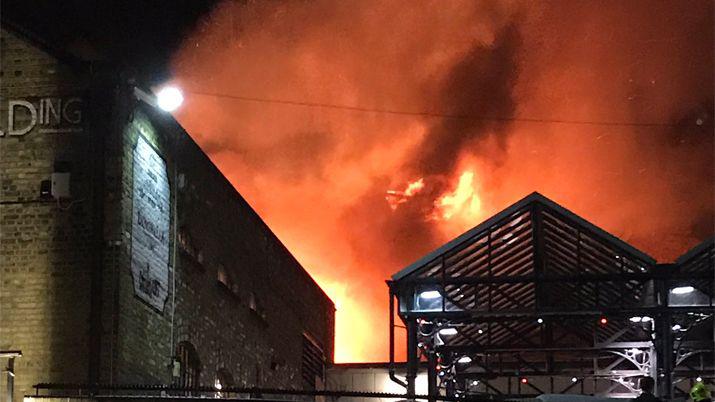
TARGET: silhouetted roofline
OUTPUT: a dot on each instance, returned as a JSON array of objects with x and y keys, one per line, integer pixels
[
  {"x": 695, "y": 250},
  {"x": 532, "y": 198},
  {"x": 36, "y": 40}
]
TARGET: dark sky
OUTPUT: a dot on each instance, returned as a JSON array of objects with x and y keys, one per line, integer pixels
[{"x": 141, "y": 34}]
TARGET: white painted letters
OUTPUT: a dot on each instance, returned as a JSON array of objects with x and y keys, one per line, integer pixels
[
  {"x": 49, "y": 115},
  {"x": 11, "y": 105}
]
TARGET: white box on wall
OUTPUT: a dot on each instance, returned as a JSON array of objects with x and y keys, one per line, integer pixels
[{"x": 60, "y": 185}]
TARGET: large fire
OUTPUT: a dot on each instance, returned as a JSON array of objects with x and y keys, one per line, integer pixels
[
  {"x": 367, "y": 133},
  {"x": 463, "y": 202}
]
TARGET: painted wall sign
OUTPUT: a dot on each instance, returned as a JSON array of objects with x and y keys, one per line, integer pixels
[
  {"x": 150, "y": 226},
  {"x": 49, "y": 115}
]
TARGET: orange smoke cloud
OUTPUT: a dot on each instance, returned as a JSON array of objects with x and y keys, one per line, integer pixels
[{"x": 453, "y": 120}]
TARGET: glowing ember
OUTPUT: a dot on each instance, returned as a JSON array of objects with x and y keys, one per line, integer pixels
[{"x": 395, "y": 198}]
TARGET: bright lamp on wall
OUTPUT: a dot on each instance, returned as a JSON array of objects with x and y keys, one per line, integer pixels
[{"x": 169, "y": 98}]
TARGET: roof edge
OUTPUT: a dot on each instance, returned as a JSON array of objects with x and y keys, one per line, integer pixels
[
  {"x": 459, "y": 240},
  {"x": 696, "y": 249},
  {"x": 533, "y": 197},
  {"x": 170, "y": 122},
  {"x": 36, "y": 40}
]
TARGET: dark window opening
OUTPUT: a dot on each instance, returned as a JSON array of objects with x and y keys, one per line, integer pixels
[
  {"x": 222, "y": 276},
  {"x": 313, "y": 364},
  {"x": 252, "y": 302},
  {"x": 189, "y": 364},
  {"x": 224, "y": 380}
]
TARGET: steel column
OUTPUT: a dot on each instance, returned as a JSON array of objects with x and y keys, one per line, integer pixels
[
  {"x": 432, "y": 375},
  {"x": 412, "y": 357}
]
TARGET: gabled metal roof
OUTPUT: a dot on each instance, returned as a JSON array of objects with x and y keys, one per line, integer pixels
[
  {"x": 702, "y": 248},
  {"x": 494, "y": 223}
]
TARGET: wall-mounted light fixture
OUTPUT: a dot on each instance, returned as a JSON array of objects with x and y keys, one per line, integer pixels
[
  {"x": 168, "y": 98},
  {"x": 682, "y": 290}
]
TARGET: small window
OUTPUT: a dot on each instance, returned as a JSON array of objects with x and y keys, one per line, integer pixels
[
  {"x": 186, "y": 244},
  {"x": 259, "y": 375},
  {"x": 252, "y": 302},
  {"x": 189, "y": 365},
  {"x": 223, "y": 381},
  {"x": 222, "y": 276},
  {"x": 225, "y": 279}
]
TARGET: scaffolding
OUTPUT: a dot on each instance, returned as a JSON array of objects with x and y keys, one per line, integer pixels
[{"x": 537, "y": 300}]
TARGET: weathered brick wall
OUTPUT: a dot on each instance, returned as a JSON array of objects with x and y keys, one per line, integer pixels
[
  {"x": 44, "y": 255},
  {"x": 252, "y": 324},
  {"x": 136, "y": 338}
]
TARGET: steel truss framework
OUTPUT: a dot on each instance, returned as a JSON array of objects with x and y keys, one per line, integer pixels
[{"x": 538, "y": 300}]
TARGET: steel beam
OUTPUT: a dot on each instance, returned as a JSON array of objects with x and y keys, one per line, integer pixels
[{"x": 412, "y": 356}]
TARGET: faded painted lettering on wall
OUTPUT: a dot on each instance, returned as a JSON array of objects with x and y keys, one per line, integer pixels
[{"x": 150, "y": 225}]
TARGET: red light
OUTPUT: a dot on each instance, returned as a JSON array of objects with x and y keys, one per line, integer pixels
[
  {"x": 524, "y": 380},
  {"x": 603, "y": 320}
]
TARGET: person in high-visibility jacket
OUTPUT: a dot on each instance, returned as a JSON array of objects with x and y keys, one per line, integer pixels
[{"x": 700, "y": 393}]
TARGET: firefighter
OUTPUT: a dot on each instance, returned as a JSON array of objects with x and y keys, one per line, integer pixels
[{"x": 700, "y": 393}]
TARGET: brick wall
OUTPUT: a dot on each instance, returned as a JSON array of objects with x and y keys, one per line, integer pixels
[
  {"x": 44, "y": 254},
  {"x": 238, "y": 296},
  {"x": 250, "y": 318}
]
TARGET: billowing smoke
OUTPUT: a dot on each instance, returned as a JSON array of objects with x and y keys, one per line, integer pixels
[
  {"x": 455, "y": 110},
  {"x": 477, "y": 100}
]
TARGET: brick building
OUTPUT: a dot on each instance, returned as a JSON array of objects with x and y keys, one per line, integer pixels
[{"x": 125, "y": 255}]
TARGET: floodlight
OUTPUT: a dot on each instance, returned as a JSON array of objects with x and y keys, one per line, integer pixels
[
  {"x": 464, "y": 360},
  {"x": 430, "y": 294},
  {"x": 448, "y": 331},
  {"x": 682, "y": 290},
  {"x": 169, "y": 98}
]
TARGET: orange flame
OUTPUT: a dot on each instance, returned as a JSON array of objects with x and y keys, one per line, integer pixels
[
  {"x": 395, "y": 197},
  {"x": 462, "y": 203},
  {"x": 350, "y": 319}
]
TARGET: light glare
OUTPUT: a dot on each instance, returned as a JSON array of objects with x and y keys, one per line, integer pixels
[
  {"x": 682, "y": 290},
  {"x": 448, "y": 331},
  {"x": 430, "y": 294},
  {"x": 169, "y": 98},
  {"x": 464, "y": 360}
]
